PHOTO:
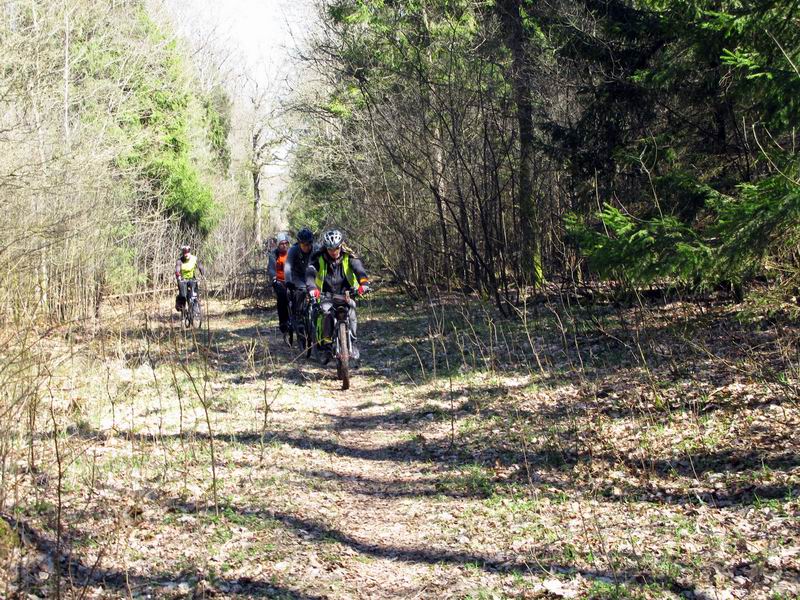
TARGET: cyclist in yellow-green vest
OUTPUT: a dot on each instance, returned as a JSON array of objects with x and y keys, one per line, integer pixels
[
  {"x": 335, "y": 270},
  {"x": 186, "y": 270}
]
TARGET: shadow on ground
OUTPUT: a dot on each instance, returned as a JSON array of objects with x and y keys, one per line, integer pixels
[
  {"x": 317, "y": 531},
  {"x": 77, "y": 575}
]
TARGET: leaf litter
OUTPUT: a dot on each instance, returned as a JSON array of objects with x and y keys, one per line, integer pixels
[{"x": 601, "y": 477}]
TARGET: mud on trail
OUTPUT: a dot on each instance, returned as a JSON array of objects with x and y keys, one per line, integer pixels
[{"x": 473, "y": 457}]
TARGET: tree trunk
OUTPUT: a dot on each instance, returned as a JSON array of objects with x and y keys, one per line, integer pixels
[
  {"x": 439, "y": 195},
  {"x": 514, "y": 30},
  {"x": 257, "y": 207}
]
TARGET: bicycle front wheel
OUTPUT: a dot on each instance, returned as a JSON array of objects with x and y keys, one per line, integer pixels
[
  {"x": 193, "y": 318},
  {"x": 343, "y": 359}
]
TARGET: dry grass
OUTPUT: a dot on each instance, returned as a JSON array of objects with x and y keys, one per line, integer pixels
[{"x": 654, "y": 454}]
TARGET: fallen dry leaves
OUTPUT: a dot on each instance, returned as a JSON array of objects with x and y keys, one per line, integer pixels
[{"x": 638, "y": 464}]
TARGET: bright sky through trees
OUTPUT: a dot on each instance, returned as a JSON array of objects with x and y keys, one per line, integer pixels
[
  {"x": 255, "y": 43},
  {"x": 266, "y": 33}
]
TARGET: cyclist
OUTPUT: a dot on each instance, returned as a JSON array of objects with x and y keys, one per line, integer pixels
[
  {"x": 186, "y": 268},
  {"x": 295, "y": 270},
  {"x": 334, "y": 269},
  {"x": 276, "y": 271}
]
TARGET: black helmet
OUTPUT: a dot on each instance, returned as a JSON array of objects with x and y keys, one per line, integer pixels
[
  {"x": 332, "y": 239},
  {"x": 305, "y": 236}
]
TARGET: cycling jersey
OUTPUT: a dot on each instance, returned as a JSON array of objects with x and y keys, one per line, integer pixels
[
  {"x": 296, "y": 265},
  {"x": 185, "y": 269},
  {"x": 329, "y": 276}
]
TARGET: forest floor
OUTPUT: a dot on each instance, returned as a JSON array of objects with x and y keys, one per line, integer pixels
[{"x": 610, "y": 452}]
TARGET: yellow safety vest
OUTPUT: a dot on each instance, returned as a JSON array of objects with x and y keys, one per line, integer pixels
[
  {"x": 322, "y": 271},
  {"x": 188, "y": 267}
]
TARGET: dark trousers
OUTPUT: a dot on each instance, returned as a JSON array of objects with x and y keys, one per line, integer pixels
[
  {"x": 185, "y": 287},
  {"x": 328, "y": 314},
  {"x": 299, "y": 297},
  {"x": 282, "y": 297}
]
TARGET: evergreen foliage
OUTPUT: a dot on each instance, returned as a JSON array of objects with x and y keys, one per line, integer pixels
[
  {"x": 162, "y": 115},
  {"x": 760, "y": 229},
  {"x": 642, "y": 252},
  {"x": 217, "y": 106},
  {"x": 717, "y": 93},
  {"x": 494, "y": 132}
]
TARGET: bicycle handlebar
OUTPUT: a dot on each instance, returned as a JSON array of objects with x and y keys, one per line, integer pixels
[{"x": 346, "y": 297}]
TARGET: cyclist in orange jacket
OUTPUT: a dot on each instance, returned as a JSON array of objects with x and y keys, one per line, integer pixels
[{"x": 276, "y": 271}]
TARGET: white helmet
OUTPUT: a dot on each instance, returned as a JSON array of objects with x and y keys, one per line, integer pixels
[
  {"x": 282, "y": 237},
  {"x": 332, "y": 238}
]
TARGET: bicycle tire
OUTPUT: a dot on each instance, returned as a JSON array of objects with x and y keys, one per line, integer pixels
[
  {"x": 309, "y": 335},
  {"x": 343, "y": 358},
  {"x": 197, "y": 319}
]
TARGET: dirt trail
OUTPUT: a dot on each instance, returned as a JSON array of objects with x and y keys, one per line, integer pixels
[
  {"x": 479, "y": 484},
  {"x": 365, "y": 499}
]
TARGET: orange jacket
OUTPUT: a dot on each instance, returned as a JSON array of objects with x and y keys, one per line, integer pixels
[{"x": 276, "y": 267}]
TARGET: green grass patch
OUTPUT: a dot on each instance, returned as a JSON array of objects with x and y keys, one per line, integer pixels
[
  {"x": 601, "y": 590},
  {"x": 473, "y": 480},
  {"x": 513, "y": 504}
]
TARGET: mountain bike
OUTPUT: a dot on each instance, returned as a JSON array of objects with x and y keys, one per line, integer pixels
[
  {"x": 342, "y": 340},
  {"x": 302, "y": 323},
  {"x": 190, "y": 311}
]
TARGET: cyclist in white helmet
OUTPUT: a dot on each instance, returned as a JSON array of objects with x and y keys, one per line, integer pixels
[{"x": 335, "y": 270}]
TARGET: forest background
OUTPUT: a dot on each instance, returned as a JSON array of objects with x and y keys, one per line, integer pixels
[
  {"x": 483, "y": 145},
  {"x": 507, "y": 150}
]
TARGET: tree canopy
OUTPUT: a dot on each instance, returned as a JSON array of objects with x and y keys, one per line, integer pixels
[{"x": 515, "y": 141}]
